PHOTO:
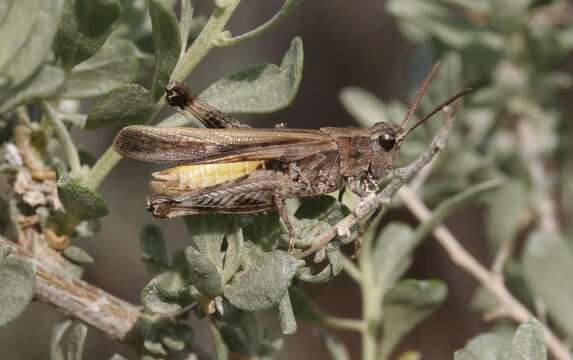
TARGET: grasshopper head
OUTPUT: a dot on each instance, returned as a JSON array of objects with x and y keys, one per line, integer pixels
[{"x": 385, "y": 142}]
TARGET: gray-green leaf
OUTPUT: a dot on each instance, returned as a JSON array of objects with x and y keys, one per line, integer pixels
[
  {"x": 84, "y": 27},
  {"x": 486, "y": 346},
  {"x": 76, "y": 342},
  {"x": 153, "y": 248},
  {"x": 166, "y": 43},
  {"x": 286, "y": 315},
  {"x": 529, "y": 342},
  {"x": 46, "y": 83},
  {"x": 115, "y": 64},
  {"x": 124, "y": 105},
  {"x": 259, "y": 88},
  {"x": 548, "y": 265},
  {"x": 17, "y": 281},
  {"x": 57, "y": 351},
  {"x": 392, "y": 254},
  {"x": 77, "y": 255},
  {"x": 81, "y": 201},
  {"x": 264, "y": 283},
  {"x": 335, "y": 347},
  {"x": 37, "y": 32},
  {"x": 204, "y": 274},
  {"x": 506, "y": 206},
  {"x": 159, "y": 295},
  {"x": 406, "y": 305}
]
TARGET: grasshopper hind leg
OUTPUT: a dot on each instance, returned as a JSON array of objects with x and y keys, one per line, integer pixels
[{"x": 256, "y": 192}]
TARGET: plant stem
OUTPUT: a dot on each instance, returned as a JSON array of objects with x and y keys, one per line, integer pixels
[
  {"x": 371, "y": 302},
  {"x": 465, "y": 261},
  {"x": 344, "y": 324},
  {"x": 65, "y": 138},
  {"x": 102, "y": 168},
  {"x": 206, "y": 41},
  {"x": 286, "y": 9},
  {"x": 382, "y": 199}
]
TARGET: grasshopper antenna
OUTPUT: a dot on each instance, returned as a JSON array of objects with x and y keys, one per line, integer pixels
[
  {"x": 422, "y": 90},
  {"x": 437, "y": 109}
]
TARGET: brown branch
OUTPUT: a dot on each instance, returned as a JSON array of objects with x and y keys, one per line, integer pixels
[
  {"x": 75, "y": 297},
  {"x": 113, "y": 316},
  {"x": 509, "y": 305},
  {"x": 401, "y": 177}
]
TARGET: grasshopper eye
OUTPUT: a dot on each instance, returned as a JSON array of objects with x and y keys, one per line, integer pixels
[{"x": 387, "y": 141}]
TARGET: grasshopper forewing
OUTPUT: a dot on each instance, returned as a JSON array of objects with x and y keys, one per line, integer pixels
[{"x": 229, "y": 167}]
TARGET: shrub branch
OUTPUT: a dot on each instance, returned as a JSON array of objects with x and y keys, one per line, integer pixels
[
  {"x": 508, "y": 304},
  {"x": 382, "y": 199},
  {"x": 113, "y": 316}
]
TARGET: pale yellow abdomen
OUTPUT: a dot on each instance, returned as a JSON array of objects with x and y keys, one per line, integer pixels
[{"x": 183, "y": 178}]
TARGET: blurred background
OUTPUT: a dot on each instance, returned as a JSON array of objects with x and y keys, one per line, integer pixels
[{"x": 346, "y": 43}]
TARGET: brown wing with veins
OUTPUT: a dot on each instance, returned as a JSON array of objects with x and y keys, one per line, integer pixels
[{"x": 205, "y": 146}]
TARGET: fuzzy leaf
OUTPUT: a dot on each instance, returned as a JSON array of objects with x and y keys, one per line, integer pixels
[
  {"x": 17, "y": 281},
  {"x": 335, "y": 347},
  {"x": 234, "y": 253},
  {"x": 166, "y": 43},
  {"x": 26, "y": 44},
  {"x": 203, "y": 273},
  {"x": 46, "y": 83},
  {"x": 115, "y": 64},
  {"x": 406, "y": 305},
  {"x": 177, "y": 337},
  {"x": 81, "y": 201},
  {"x": 220, "y": 349},
  {"x": 364, "y": 106},
  {"x": 153, "y": 248},
  {"x": 392, "y": 254},
  {"x": 84, "y": 27},
  {"x": 286, "y": 315},
  {"x": 76, "y": 342},
  {"x": 262, "y": 229},
  {"x": 505, "y": 209},
  {"x": 304, "y": 308},
  {"x": 124, "y": 105},
  {"x": 464, "y": 354},
  {"x": 486, "y": 346},
  {"x": 77, "y": 255},
  {"x": 261, "y": 88},
  {"x": 548, "y": 264},
  {"x": 264, "y": 283},
  {"x": 425, "y": 19},
  {"x": 323, "y": 208},
  {"x": 529, "y": 342},
  {"x": 57, "y": 348},
  {"x": 159, "y": 295},
  {"x": 208, "y": 232}
]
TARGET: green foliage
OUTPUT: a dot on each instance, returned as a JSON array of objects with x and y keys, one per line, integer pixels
[
  {"x": 84, "y": 28},
  {"x": 17, "y": 281},
  {"x": 405, "y": 306},
  {"x": 167, "y": 43},
  {"x": 115, "y": 64},
  {"x": 547, "y": 263},
  {"x": 264, "y": 283},
  {"x": 121, "y": 54},
  {"x": 528, "y": 344},
  {"x": 80, "y": 200},
  {"x": 124, "y": 105},
  {"x": 68, "y": 344},
  {"x": 259, "y": 88}
]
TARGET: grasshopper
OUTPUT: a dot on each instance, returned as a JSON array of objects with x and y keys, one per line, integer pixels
[{"x": 229, "y": 167}]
